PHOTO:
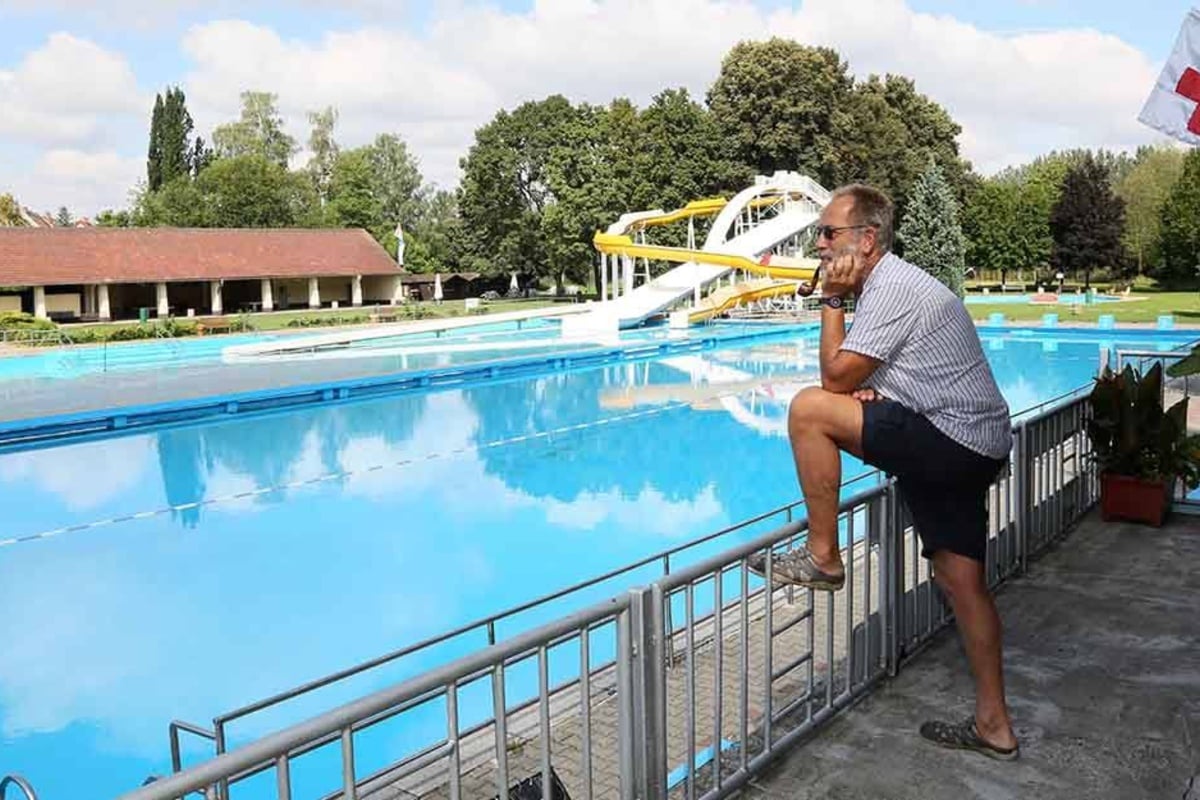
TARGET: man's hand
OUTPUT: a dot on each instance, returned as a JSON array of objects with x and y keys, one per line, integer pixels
[
  {"x": 866, "y": 395},
  {"x": 842, "y": 275}
]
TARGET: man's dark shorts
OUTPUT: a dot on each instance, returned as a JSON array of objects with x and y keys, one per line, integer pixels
[{"x": 943, "y": 483}]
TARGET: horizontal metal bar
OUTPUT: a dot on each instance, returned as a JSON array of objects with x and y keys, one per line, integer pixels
[
  {"x": 270, "y": 747},
  {"x": 793, "y": 622},
  {"x": 786, "y": 668},
  {"x": 710, "y": 565},
  {"x": 400, "y": 771},
  {"x": 194, "y": 729}
]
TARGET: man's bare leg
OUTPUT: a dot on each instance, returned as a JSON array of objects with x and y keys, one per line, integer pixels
[
  {"x": 820, "y": 425},
  {"x": 963, "y": 582}
]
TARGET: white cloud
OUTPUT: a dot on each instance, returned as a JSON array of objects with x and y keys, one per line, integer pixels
[
  {"x": 84, "y": 182},
  {"x": 65, "y": 90},
  {"x": 1016, "y": 96},
  {"x": 436, "y": 76}
]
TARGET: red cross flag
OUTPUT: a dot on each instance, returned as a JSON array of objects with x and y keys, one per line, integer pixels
[{"x": 1174, "y": 104}]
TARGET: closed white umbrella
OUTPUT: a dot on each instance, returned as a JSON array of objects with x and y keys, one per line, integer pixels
[
  {"x": 512, "y": 284},
  {"x": 437, "y": 287}
]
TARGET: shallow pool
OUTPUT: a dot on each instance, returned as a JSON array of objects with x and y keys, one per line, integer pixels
[{"x": 1025, "y": 299}]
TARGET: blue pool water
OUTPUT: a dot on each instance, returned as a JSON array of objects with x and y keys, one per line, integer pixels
[
  {"x": 430, "y": 510},
  {"x": 119, "y": 356},
  {"x": 1022, "y": 299},
  {"x": 155, "y": 354}
]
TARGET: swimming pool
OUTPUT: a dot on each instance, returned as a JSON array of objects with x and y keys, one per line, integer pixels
[
  {"x": 1024, "y": 299},
  {"x": 217, "y": 564}
]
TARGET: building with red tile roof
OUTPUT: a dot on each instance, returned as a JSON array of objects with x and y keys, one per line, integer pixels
[{"x": 111, "y": 273}]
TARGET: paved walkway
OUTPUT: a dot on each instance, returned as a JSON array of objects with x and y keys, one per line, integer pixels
[{"x": 1103, "y": 668}]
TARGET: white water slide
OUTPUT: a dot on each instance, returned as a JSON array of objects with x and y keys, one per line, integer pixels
[{"x": 800, "y": 200}]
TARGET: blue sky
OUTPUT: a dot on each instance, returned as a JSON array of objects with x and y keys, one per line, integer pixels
[{"x": 76, "y": 83}]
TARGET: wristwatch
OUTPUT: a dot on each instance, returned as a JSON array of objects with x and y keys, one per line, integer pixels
[{"x": 833, "y": 301}]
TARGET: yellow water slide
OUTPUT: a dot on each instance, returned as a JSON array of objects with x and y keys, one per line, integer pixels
[
  {"x": 770, "y": 266},
  {"x": 727, "y": 297}
]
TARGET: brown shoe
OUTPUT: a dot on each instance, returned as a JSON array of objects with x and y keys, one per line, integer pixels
[
  {"x": 797, "y": 567},
  {"x": 965, "y": 736}
]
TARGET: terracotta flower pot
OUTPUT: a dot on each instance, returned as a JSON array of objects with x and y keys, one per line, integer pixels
[{"x": 1134, "y": 499}]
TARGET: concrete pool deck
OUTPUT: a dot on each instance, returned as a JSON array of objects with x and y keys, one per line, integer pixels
[{"x": 1103, "y": 671}]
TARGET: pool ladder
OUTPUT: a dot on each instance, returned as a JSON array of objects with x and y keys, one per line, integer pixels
[{"x": 20, "y": 783}]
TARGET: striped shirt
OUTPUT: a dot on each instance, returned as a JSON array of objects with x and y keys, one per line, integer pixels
[{"x": 933, "y": 362}]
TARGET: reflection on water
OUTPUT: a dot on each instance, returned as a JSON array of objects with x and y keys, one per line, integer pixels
[{"x": 289, "y": 546}]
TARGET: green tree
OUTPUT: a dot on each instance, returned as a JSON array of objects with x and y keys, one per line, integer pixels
[
  {"x": 397, "y": 182},
  {"x": 200, "y": 157},
  {"x": 1181, "y": 225},
  {"x": 63, "y": 218},
  {"x": 375, "y": 188},
  {"x": 930, "y": 229},
  {"x": 989, "y": 225},
  {"x": 249, "y": 191},
  {"x": 258, "y": 132},
  {"x": 887, "y": 135},
  {"x": 10, "y": 212},
  {"x": 109, "y": 218},
  {"x": 154, "y": 152},
  {"x": 179, "y": 203},
  {"x": 353, "y": 202},
  {"x": 435, "y": 241},
  {"x": 505, "y": 187},
  {"x": 777, "y": 103},
  {"x": 324, "y": 149},
  {"x": 1145, "y": 188},
  {"x": 680, "y": 155},
  {"x": 169, "y": 152},
  {"x": 1087, "y": 221}
]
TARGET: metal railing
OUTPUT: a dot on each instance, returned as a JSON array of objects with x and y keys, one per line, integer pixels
[
  {"x": 20, "y": 783},
  {"x": 688, "y": 687},
  {"x": 486, "y": 627},
  {"x": 34, "y": 337}
]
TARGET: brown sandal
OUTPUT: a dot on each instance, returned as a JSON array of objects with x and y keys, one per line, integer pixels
[{"x": 965, "y": 736}]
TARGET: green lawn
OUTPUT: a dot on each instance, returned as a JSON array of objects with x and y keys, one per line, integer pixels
[{"x": 1140, "y": 307}]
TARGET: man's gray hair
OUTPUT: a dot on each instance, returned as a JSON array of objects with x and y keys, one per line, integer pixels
[{"x": 871, "y": 207}]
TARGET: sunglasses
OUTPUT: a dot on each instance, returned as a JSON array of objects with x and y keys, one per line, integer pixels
[{"x": 829, "y": 231}]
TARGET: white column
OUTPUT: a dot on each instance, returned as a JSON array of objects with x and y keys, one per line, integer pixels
[
  {"x": 629, "y": 266},
  {"x": 218, "y": 302},
  {"x": 397, "y": 291},
  {"x": 314, "y": 293},
  {"x": 615, "y": 265},
  {"x": 268, "y": 295},
  {"x": 356, "y": 291},
  {"x": 39, "y": 302},
  {"x": 603, "y": 277},
  {"x": 164, "y": 305},
  {"x": 105, "y": 309}
]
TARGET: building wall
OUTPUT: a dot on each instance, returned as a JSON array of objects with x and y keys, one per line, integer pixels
[
  {"x": 291, "y": 293},
  {"x": 67, "y": 305},
  {"x": 334, "y": 289},
  {"x": 378, "y": 289}
]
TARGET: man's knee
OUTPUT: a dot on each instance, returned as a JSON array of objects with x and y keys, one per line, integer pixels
[
  {"x": 838, "y": 416},
  {"x": 958, "y": 576},
  {"x": 810, "y": 408}
]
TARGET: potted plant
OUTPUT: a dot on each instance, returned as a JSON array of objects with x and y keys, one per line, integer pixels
[{"x": 1142, "y": 450}]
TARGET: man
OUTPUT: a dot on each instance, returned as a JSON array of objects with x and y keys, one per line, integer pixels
[{"x": 907, "y": 390}]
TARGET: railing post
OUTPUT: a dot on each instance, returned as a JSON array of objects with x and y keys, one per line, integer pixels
[
  {"x": 648, "y": 731},
  {"x": 891, "y": 600},
  {"x": 1021, "y": 475}
]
